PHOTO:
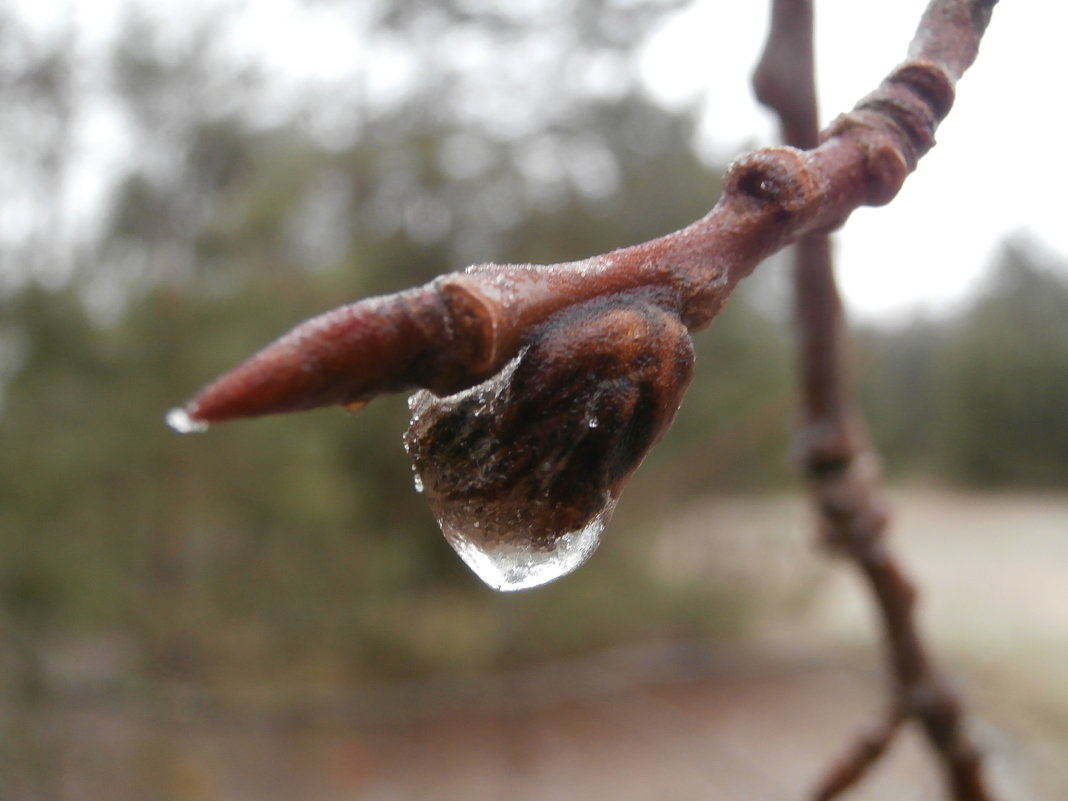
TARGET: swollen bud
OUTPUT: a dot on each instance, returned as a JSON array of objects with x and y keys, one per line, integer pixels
[{"x": 523, "y": 471}]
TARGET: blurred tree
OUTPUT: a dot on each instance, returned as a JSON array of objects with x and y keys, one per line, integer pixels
[
  {"x": 500, "y": 136},
  {"x": 897, "y": 377},
  {"x": 298, "y": 541},
  {"x": 1004, "y": 377},
  {"x": 38, "y": 88},
  {"x": 977, "y": 397}
]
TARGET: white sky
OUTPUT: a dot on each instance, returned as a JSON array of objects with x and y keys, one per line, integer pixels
[
  {"x": 995, "y": 170},
  {"x": 993, "y": 173}
]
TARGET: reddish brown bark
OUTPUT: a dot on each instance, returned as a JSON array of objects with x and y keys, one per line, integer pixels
[{"x": 463, "y": 327}]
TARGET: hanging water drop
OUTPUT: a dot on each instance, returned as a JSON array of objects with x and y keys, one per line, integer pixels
[
  {"x": 179, "y": 420},
  {"x": 519, "y": 563},
  {"x": 418, "y": 481},
  {"x": 516, "y": 519},
  {"x": 523, "y": 470}
]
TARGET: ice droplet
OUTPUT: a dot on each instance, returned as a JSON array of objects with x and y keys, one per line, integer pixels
[
  {"x": 514, "y": 495},
  {"x": 519, "y": 565},
  {"x": 179, "y": 419}
]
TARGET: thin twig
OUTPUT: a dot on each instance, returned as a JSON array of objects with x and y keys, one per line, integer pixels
[
  {"x": 864, "y": 752},
  {"x": 838, "y": 461},
  {"x": 463, "y": 328}
]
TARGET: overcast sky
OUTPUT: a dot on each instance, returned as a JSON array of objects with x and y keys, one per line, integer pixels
[{"x": 993, "y": 173}]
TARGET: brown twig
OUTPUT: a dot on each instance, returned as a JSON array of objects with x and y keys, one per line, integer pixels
[
  {"x": 508, "y": 326},
  {"x": 864, "y": 752},
  {"x": 464, "y": 327},
  {"x": 838, "y": 461}
]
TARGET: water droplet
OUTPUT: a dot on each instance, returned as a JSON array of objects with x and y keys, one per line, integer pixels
[
  {"x": 180, "y": 421},
  {"x": 418, "y": 480},
  {"x": 518, "y": 563},
  {"x": 592, "y": 422},
  {"x": 511, "y": 493}
]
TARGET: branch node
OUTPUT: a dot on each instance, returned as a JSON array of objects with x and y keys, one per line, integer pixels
[
  {"x": 772, "y": 178},
  {"x": 930, "y": 82},
  {"x": 887, "y": 170},
  {"x": 915, "y": 97},
  {"x": 474, "y": 320},
  {"x": 888, "y": 159}
]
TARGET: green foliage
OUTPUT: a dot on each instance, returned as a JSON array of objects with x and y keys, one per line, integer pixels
[
  {"x": 898, "y": 372},
  {"x": 1005, "y": 381},
  {"x": 298, "y": 546},
  {"x": 273, "y": 546},
  {"x": 978, "y": 398}
]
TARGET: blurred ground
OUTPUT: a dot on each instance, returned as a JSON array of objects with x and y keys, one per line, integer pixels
[{"x": 660, "y": 720}]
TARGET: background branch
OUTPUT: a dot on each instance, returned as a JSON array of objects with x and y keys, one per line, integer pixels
[{"x": 839, "y": 463}]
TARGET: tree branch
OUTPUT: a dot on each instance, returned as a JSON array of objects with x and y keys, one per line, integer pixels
[
  {"x": 839, "y": 463},
  {"x": 464, "y": 327}
]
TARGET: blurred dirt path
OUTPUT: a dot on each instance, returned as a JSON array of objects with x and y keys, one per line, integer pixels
[{"x": 667, "y": 721}]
